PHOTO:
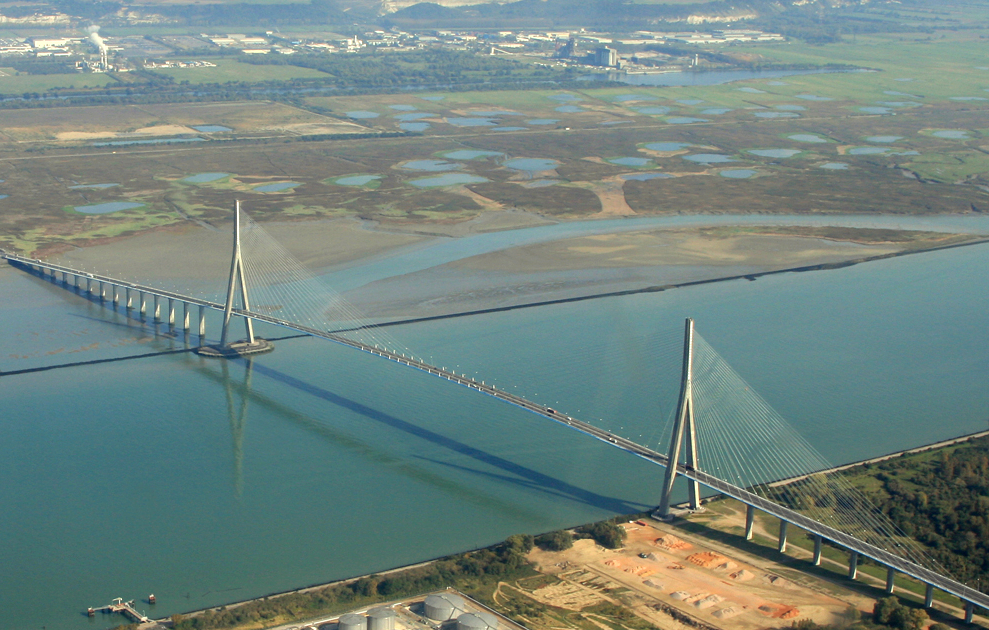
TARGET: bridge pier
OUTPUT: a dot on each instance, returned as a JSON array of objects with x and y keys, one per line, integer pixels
[
  {"x": 116, "y": 296},
  {"x": 782, "y": 540},
  {"x": 853, "y": 565},
  {"x": 89, "y": 286},
  {"x": 171, "y": 313},
  {"x": 185, "y": 316},
  {"x": 890, "y": 574},
  {"x": 929, "y": 596},
  {"x": 102, "y": 292},
  {"x": 143, "y": 304},
  {"x": 749, "y": 521},
  {"x": 77, "y": 284},
  {"x": 202, "y": 323},
  {"x": 817, "y": 550},
  {"x": 969, "y": 612},
  {"x": 157, "y": 310},
  {"x": 128, "y": 303}
]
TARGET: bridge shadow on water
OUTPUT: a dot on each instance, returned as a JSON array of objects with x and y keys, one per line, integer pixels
[{"x": 515, "y": 473}]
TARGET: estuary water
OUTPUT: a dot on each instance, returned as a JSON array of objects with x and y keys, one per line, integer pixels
[{"x": 207, "y": 482}]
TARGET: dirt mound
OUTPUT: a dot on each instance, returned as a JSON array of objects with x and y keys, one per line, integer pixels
[
  {"x": 653, "y": 584},
  {"x": 727, "y": 613},
  {"x": 708, "y": 601},
  {"x": 726, "y": 566},
  {"x": 742, "y": 575},
  {"x": 669, "y": 541},
  {"x": 706, "y": 559},
  {"x": 778, "y": 582},
  {"x": 779, "y": 611},
  {"x": 681, "y": 595}
]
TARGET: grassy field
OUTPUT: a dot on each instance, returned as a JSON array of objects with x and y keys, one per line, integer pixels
[
  {"x": 43, "y": 83},
  {"x": 230, "y": 70}
]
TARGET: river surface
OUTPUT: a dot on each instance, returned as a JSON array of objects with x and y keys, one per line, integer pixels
[{"x": 206, "y": 482}]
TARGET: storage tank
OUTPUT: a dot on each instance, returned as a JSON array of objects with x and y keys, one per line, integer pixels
[
  {"x": 443, "y": 606},
  {"x": 471, "y": 621},
  {"x": 351, "y": 621},
  {"x": 489, "y": 619},
  {"x": 381, "y": 618}
]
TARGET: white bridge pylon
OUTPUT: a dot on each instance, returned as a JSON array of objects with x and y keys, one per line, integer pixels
[
  {"x": 685, "y": 426},
  {"x": 236, "y": 280}
]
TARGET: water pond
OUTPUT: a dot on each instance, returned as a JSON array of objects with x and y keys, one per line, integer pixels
[
  {"x": 211, "y": 128},
  {"x": 629, "y": 161},
  {"x": 510, "y": 129},
  {"x": 807, "y": 137},
  {"x": 751, "y": 90},
  {"x": 276, "y": 187},
  {"x": 904, "y": 80},
  {"x": 791, "y": 108},
  {"x": 356, "y": 180},
  {"x": 654, "y": 111},
  {"x": 430, "y": 165},
  {"x": 4, "y": 196},
  {"x": 108, "y": 207},
  {"x": 741, "y": 173},
  {"x": 564, "y": 98},
  {"x": 568, "y": 109},
  {"x": 471, "y": 122},
  {"x": 709, "y": 158},
  {"x": 774, "y": 153},
  {"x": 432, "y": 98},
  {"x": 414, "y": 126},
  {"x": 867, "y": 151},
  {"x": 685, "y": 120},
  {"x": 449, "y": 179},
  {"x": 470, "y": 154},
  {"x": 542, "y": 121},
  {"x": 532, "y": 164},
  {"x": 875, "y": 110},
  {"x": 776, "y": 115},
  {"x": 689, "y": 101},
  {"x": 616, "y": 122},
  {"x": 967, "y": 98},
  {"x": 814, "y": 97},
  {"x": 835, "y": 166},
  {"x": 715, "y": 111},
  {"x": 403, "y": 108},
  {"x": 498, "y": 112},
  {"x": 203, "y": 178},
  {"x": 100, "y": 186},
  {"x": 900, "y": 103},
  {"x": 626, "y": 98},
  {"x": 124, "y": 143},
  {"x": 666, "y": 147},
  {"x": 642, "y": 177},
  {"x": 363, "y": 114},
  {"x": 952, "y": 134},
  {"x": 884, "y": 138},
  {"x": 895, "y": 93}
]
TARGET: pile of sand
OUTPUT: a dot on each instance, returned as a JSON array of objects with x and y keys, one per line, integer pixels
[
  {"x": 742, "y": 575},
  {"x": 706, "y": 559},
  {"x": 726, "y": 566},
  {"x": 709, "y": 601},
  {"x": 669, "y": 541},
  {"x": 640, "y": 571},
  {"x": 653, "y": 584},
  {"x": 779, "y": 611},
  {"x": 681, "y": 595},
  {"x": 653, "y": 556},
  {"x": 727, "y": 613},
  {"x": 778, "y": 582}
]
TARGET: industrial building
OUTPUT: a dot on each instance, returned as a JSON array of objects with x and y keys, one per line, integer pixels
[{"x": 444, "y": 610}]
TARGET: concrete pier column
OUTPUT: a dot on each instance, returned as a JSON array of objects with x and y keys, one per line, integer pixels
[
  {"x": 77, "y": 283},
  {"x": 102, "y": 291},
  {"x": 157, "y": 311},
  {"x": 128, "y": 304},
  {"x": 929, "y": 596},
  {"x": 853, "y": 565},
  {"x": 817, "y": 550},
  {"x": 171, "y": 312},
  {"x": 749, "y": 521},
  {"x": 116, "y": 295},
  {"x": 202, "y": 322},
  {"x": 969, "y": 612},
  {"x": 142, "y": 301},
  {"x": 185, "y": 316},
  {"x": 890, "y": 574},
  {"x": 89, "y": 286},
  {"x": 782, "y": 545}
]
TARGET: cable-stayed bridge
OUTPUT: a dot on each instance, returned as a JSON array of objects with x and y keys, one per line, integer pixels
[{"x": 733, "y": 442}]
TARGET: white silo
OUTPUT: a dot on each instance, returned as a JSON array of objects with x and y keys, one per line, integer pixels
[
  {"x": 351, "y": 621},
  {"x": 381, "y": 618},
  {"x": 443, "y": 606}
]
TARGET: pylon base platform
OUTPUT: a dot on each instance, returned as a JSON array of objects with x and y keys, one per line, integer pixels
[{"x": 236, "y": 349}]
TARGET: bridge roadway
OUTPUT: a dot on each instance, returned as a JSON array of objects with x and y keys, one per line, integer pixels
[{"x": 882, "y": 556}]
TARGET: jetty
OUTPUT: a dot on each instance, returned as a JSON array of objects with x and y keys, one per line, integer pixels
[{"x": 126, "y": 609}]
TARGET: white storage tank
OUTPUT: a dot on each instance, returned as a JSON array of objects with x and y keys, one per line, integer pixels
[
  {"x": 350, "y": 621},
  {"x": 477, "y": 621},
  {"x": 443, "y": 606},
  {"x": 381, "y": 618}
]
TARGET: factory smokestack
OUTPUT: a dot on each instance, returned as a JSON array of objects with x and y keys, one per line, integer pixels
[{"x": 94, "y": 36}]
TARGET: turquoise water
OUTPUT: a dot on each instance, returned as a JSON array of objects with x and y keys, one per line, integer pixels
[
  {"x": 751, "y": 90},
  {"x": 211, "y": 128},
  {"x": 814, "y": 97},
  {"x": 654, "y": 111},
  {"x": 952, "y": 134},
  {"x": 276, "y": 187},
  {"x": 542, "y": 121},
  {"x": 791, "y": 108},
  {"x": 875, "y": 110},
  {"x": 776, "y": 115},
  {"x": 414, "y": 126},
  {"x": 564, "y": 98},
  {"x": 403, "y": 108},
  {"x": 97, "y": 186},
  {"x": 163, "y": 480},
  {"x": 449, "y": 179},
  {"x": 642, "y": 177},
  {"x": 685, "y": 120},
  {"x": 471, "y": 122},
  {"x": 568, "y": 109},
  {"x": 715, "y": 111},
  {"x": 709, "y": 158},
  {"x": 413, "y": 116},
  {"x": 630, "y": 161},
  {"x": 108, "y": 207},
  {"x": 498, "y": 112},
  {"x": 867, "y": 151},
  {"x": 628, "y": 98},
  {"x": 774, "y": 153},
  {"x": 531, "y": 164},
  {"x": 430, "y": 165},
  {"x": 664, "y": 147},
  {"x": 363, "y": 114},
  {"x": 740, "y": 173},
  {"x": 204, "y": 178},
  {"x": 835, "y": 166},
  {"x": 884, "y": 138},
  {"x": 807, "y": 137}
]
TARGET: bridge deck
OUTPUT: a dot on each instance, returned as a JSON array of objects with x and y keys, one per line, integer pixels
[{"x": 882, "y": 556}]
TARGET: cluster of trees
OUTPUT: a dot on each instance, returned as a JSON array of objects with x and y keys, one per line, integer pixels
[{"x": 608, "y": 534}]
